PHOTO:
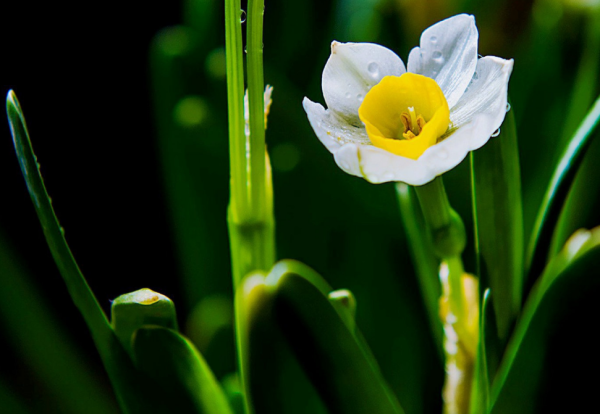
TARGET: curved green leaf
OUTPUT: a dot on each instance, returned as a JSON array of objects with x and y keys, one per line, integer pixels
[
  {"x": 560, "y": 183},
  {"x": 78, "y": 288},
  {"x": 179, "y": 370},
  {"x": 522, "y": 369},
  {"x": 276, "y": 383},
  {"x": 337, "y": 361},
  {"x": 131, "y": 311},
  {"x": 496, "y": 185},
  {"x": 131, "y": 388}
]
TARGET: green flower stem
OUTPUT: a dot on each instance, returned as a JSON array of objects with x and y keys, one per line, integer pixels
[
  {"x": 447, "y": 233},
  {"x": 256, "y": 87},
  {"x": 446, "y": 227},
  {"x": 448, "y": 237},
  {"x": 250, "y": 214},
  {"x": 235, "y": 106}
]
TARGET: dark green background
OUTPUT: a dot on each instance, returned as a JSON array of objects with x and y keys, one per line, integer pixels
[{"x": 82, "y": 74}]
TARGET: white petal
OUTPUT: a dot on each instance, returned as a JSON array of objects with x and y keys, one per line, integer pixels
[
  {"x": 351, "y": 71},
  {"x": 379, "y": 166},
  {"x": 487, "y": 94},
  {"x": 448, "y": 54},
  {"x": 332, "y": 131},
  {"x": 451, "y": 151},
  {"x": 348, "y": 160}
]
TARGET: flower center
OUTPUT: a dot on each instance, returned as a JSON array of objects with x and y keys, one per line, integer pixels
[
  {"x": 405, "y": 114},
  {"x": 413, "y": 124}
]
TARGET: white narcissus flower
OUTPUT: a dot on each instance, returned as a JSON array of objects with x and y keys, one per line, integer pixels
[{"x": 384, "y": 123}]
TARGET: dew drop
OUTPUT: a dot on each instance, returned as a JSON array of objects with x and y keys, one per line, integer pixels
[
  {"x": 433, "y": 39},
  {"x": 373, "y": 69},
  {"x": 242, "y": 16},
  {"x": 479, "y": 56},
  {"x": 437, "y": 56},
  {"x": 360, "y": 97},
  {"x": 475, "y": 76},
  {"x": 496, "y": 133},
  {"x": 508, "y": 106}
]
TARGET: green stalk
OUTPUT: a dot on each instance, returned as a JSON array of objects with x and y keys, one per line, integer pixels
[
  {"x": 250, "y": 215},
  {"x": 235, "y": 105},
  {"x": 447, "y": 233},
  {"x": 256, "y": 86}
]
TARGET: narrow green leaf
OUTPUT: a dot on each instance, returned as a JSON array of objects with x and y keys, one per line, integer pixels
[
  {"x": 516, "y": 388},
  {"x": 337, "y": 361},
  {"x": 425, "y": 262},
  {"x": 481, "y": 383},
  {"x": 78, "y": 288},
  {"x": 179, "y": 370},
  {"x": 559, "y": 186},
  {"x": 132, "y": 389},
  {"x": 498, "y": 219}
]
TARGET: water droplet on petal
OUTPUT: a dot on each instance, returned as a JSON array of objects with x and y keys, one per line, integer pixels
[
  {"x": 373, "y": 69},
  {"x": 508, "y": 106},
  {"x": 360, "y": 97},
  {"x": 442, "y": 154},
  {"x": 475, "y": 76},
  {"x": 479, "y": 56},
  {"x": 242, "y": 16},
  {"x": 433, "y": 39},
  {"x": 496, "y": 133},
  {"x": 437, "y": 56}
]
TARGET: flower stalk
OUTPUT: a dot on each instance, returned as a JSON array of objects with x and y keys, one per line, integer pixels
[
  {"x": 250, "y": 213},
  {"x": 459, "y": 308}
]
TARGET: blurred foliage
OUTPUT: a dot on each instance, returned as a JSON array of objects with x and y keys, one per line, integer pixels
[{"x": 133, "y": 147}]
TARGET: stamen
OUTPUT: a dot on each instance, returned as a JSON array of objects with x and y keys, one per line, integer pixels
[
  {"x": 413, "y": 120},
  {"x": 413, "y": 124},
  {"x": 405, "y": 119},
  {"x": 409, "y": 134}
]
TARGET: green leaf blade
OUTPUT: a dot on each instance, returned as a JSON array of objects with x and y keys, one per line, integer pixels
[
  {"x": 498, "y": 216},
  {"x": 337, "y": 361},
  {"x": 560, "y": 183},
  {"x": 179, "y": 370},
  {"x": 521, "y": 375},
  {"x": 78, "y": 288}
]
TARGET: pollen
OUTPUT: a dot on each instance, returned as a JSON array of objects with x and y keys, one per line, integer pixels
[
  {"x": 405, "y": 114},
  {"x": 413, "y": 124}
]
